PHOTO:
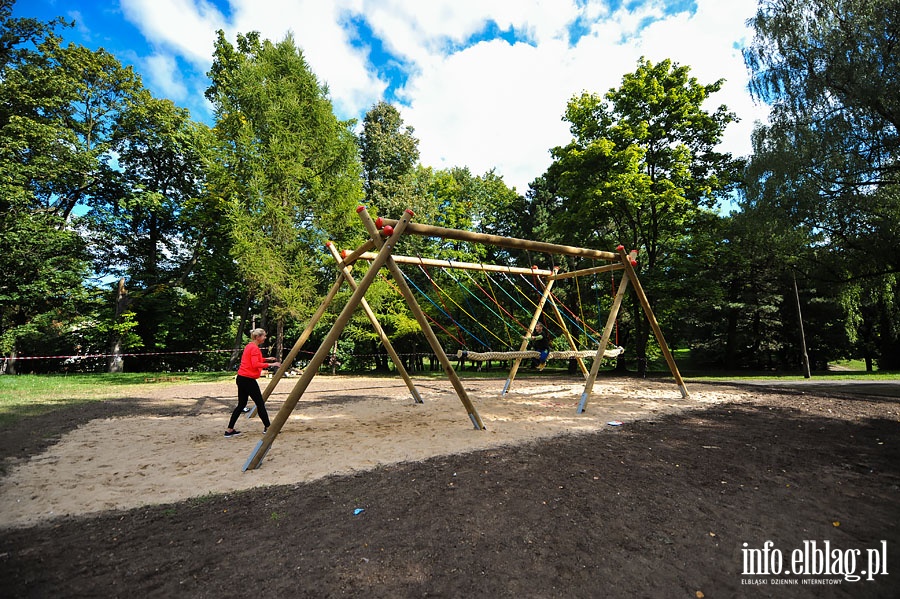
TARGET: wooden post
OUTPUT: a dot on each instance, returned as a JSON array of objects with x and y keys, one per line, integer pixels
[
  {"x": 645, "y": 303},
  {"x": 525, "y": 341},
  {"x": 345, "y": 273},
  {"x": 410, "y": 298},
  {"x": 302, "y": 384},
  {"x": 568, "y": 335},
  {"x": 604, "y": 340}
]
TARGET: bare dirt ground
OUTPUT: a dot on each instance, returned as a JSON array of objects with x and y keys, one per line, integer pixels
[{"x": 367, "y": 494}]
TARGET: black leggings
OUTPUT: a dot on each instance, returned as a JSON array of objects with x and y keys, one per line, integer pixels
[{"x": 248, "y": 387}]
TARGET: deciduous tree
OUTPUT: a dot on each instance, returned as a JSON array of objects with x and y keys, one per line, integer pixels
[{"x": 642, "y": 170}]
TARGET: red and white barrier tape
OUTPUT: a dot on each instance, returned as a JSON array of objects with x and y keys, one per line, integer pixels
[{"x": 84, "y": 356}]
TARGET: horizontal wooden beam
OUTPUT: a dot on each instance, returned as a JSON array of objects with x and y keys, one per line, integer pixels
[
  {"x": 505, "y": 242},
  {"x": 516, "y": 270},
  {"x": 587, "y": 271}
]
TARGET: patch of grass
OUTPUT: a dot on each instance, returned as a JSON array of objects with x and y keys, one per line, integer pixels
[
  {"x": 35, "y": 394},
  {"x": 769, "y": 376}
]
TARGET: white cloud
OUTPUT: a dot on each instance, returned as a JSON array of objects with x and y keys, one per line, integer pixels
[
  {"x": 491, "y": 104},
  {"x": 185, "y": 27},
  {"x": 496, "y": 105},
  {"x": 319, "y": 32},
  {"x": 484, "y": 107},
  {"x": 162, "y": 69}
]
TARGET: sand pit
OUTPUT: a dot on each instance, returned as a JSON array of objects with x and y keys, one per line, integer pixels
[{"x": 341, "y": 425}]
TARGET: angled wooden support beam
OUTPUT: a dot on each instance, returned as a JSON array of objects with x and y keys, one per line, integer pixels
[
  {"x": 262, "y": 448},
  {"x": 648, "y": 311},
  {"x": 349, "y": 257},
  {"x": 433, "y": 341},
  {"x": 525, "y": 340},
  {"x": 571, "y": 341},
  {"x": 604, "y": 340},
  {"x": 345, "y": 272},
  {"x": 304, "y": 337}
]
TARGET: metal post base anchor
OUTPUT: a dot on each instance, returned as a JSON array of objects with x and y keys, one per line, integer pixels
[
  {"x": 582, "y": 403},
  {"x": 253, "y": 455}
]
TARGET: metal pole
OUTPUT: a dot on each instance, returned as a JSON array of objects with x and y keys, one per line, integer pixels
[{"x": 806, "y": 372}]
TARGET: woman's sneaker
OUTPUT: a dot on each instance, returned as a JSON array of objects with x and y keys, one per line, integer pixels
[{"x": 229, "y": 434}]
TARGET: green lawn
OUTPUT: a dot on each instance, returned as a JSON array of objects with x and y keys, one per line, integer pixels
[{"x": 33, "y": 394}]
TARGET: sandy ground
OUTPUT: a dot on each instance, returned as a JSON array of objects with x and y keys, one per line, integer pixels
[{"x": 340, "y": 425}]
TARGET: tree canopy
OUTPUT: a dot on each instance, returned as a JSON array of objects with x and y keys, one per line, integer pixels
[
  {"x": 642, "y": 168},
  {"x": 827, "y": 161},
  {"x": 127, "y": 227}
]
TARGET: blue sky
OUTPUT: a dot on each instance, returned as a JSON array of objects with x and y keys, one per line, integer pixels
[{"x": 484, "y": 83}]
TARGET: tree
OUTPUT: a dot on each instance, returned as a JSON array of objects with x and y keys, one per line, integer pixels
[
  {"x": 288, "y": 168},
  {"x": 829, "y": 158},
  {"x": 389, "y": 154},
  {"x": 57, "y": 110},
  {"x": 155, "y": 226},
  {"x": 641, "y": 170}
]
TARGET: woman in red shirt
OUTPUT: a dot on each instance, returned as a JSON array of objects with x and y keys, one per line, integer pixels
[{"x": 252, "y": 365}]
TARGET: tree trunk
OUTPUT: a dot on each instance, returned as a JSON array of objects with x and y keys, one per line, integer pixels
[
  {"x": 279, "y": 339},
  {"x": 9, "y": 366},
  {"x": 641, "y": 334},
  {"x": 730, "y": 361},
  {"x": 264, "y": 314},
  {"x": 115, "y": 362},
  {"x": 238, "y": 337}
]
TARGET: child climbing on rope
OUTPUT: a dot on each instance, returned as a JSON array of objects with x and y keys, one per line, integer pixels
[{"x": 541, "y": 343}]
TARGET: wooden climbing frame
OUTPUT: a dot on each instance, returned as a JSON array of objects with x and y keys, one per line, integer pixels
[{"x": 378, "y": 252}]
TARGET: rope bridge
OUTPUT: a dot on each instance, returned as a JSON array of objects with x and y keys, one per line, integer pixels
[{"x": 554, "y": 355}]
